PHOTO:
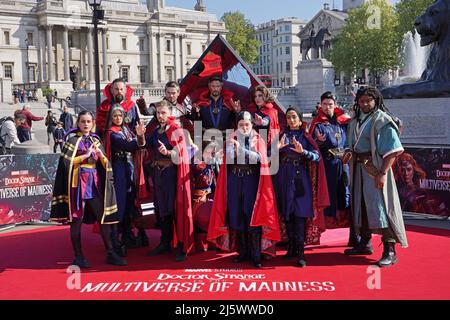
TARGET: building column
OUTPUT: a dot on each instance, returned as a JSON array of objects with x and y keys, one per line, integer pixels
[
  {"x": 152, "y": 58},
  {"x": 177, "y": 62},
  {"x": 90, "y": 75},
  {"x": 183, "y": 55},
  {"x": 66, "y": 54},
  {"x": 41, "y": 57},
  {"x": 50, "y": 72},
  {"x": 162, "y": 50},
  {"x": 105, "y": 57}
]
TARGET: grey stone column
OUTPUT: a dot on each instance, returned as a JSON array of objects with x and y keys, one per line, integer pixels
[
  {"x": 66, "y": 54},
  {"x": 90, "y": 75},
  {"x": 162, "y": 51},
  {"x": 50, "y": 72},
  {"x": 177, "y": 62},
  {"x": 105, "y": 57}
]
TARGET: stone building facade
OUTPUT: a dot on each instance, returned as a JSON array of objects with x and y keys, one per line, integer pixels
[{"x": 51, "y": 42}]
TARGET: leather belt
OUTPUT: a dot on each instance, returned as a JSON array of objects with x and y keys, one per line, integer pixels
[
  {"x": 292, "y": 159},
  {"x": 243, "y": 170},
  {"x": 162, "y": 164}
]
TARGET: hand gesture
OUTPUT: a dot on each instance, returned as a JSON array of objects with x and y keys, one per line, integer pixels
[
  {"x": 140, "y": 128},
  {"x": 195, "y": 108},
  {"x": 89, "y": 152},
  {"x": 98, "y": 151},
  {"x": 319, "y": 136},
  {"x": 258, "y": 120},
  {"x": 297, "y": 146},
  {"x": 162, "y": 148},
  {"x": 283, "y": 142},
  {"x": 236, "y": 105},
  {"x": 380, "y": 181}
]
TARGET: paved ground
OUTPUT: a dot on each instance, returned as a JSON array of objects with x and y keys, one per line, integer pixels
[{"x": 38, "y": 109}]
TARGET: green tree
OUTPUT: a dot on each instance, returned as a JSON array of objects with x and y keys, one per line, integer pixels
[
  {"x": 368, "y": 41},
  {"x": 408, "y": 11},
  {"x": 241, "y": 36}
]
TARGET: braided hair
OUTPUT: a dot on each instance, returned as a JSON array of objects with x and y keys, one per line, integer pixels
[{"x": 379, "y": 103}]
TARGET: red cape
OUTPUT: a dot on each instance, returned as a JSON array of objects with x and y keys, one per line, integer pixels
[
  {"x": 265, "y": 212},
  {"x": 270, "y": 111},
  {"x": 103, "y": 108},
  {"x": 321, "y": 117},
  {"x": 184, "y": 226},
  {"x": 203, "y": 100}
]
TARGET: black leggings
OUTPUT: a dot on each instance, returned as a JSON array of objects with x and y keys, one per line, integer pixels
[{"x": 96, "y": 206}]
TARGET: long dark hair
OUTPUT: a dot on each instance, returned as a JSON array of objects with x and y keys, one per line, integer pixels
[{"x": 379, "y": 103}]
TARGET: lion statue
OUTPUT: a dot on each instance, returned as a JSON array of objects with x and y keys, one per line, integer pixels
[{"x": 434, "y": 27}]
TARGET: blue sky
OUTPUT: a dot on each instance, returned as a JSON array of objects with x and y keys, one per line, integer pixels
[{"x": 258, "y": 11}]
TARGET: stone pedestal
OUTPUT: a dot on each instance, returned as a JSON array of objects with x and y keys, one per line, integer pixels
[
  {"x": 426, "y": 121},
  {"x": 6, "y": 91},
  {"x": 30, "y": 147},
  {"x": 64, "y": 88},
  {"x": 314, "y": 78}
]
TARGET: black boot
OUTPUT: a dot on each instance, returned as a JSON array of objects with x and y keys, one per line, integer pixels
[
  {"x": 79, "y": 259},
  {"x": 364, "y": 247},
  {"x": 118, "y": 246},
  {"x": 180, "y": 254},
  {"x": 114, "y": 259},
  {"x": 291, "y": 250},
  {"x": 142, "y": 235},
  {"x": 166, "y": 238},
  {"x": 255, "y": 246},
  {"x": 129, "y": 239},
  {"x": 301, "y": 262},
  {"x": 389, "y": 258},
  {"x": 243, "y": 248},
  {"x": 353, "y": 238}
]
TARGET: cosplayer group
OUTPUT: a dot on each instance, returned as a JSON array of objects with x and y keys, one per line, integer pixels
[{"x": 247, "y": 189}]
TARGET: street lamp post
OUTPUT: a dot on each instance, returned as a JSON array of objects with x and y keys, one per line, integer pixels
[
  {"x": 119, "y": 65},
  {"x": 27, "y": 63},
  {"x": 97, "y": 15}
]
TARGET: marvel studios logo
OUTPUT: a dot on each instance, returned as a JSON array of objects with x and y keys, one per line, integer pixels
[{"x": 18, "y": 173}]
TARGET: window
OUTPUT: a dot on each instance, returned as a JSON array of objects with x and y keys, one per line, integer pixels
[
  {"x": 168, "y": 46},
  {"x": 288, "y": 50},
  {"x": 32, "y": 73},
  {"x": 287, "y": 28},
  {"x": 30, "y": 38},
  {"x": 141, "y": 44},
  {"x": 142, "y": 74},
  {"x": 286, "y": 38},
  {"x": 125, "y": 72},
  {"x": 288, "y": 66},
  {"x": 124, "y": 43},
  {"x": 189, "y": 49},
  {"x": 70, "y": 41},
  {"x": 6, "y": 37},
  {"x": 288, "y": 82},
  {"x": 281, "y": 66},
  {"x": 7, "y": 71}
]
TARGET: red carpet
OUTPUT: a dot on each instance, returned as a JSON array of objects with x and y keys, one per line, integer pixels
[{"x": 33, "y": 266}]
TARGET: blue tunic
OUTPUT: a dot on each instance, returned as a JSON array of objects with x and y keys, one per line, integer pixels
[
  {"x": 387, "y": 142},
  {"x": 337, "y": 173},
  {"x": 165, "y": 181},
  {"x": 290, "y": 204},
  {"x": 242, "y": 189},
  {"x": 122, "y": 169}
]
